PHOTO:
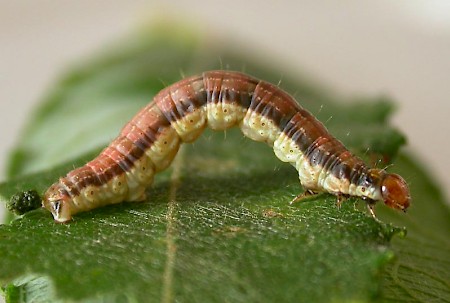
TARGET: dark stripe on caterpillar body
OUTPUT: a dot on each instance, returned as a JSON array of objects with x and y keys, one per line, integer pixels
[{"x": 220, "y": 100}]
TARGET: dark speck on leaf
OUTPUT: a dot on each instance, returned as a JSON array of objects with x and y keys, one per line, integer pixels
[{"x": 24, "y": 202}]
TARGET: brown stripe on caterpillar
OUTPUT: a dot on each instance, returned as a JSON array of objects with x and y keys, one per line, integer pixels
[{"x": 220, "y": 100}]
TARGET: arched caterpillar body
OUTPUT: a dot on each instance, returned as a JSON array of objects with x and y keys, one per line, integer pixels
[{"x": 220, "y": 100}]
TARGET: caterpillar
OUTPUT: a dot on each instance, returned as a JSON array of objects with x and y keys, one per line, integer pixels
[{"x": 148, "y": 143}]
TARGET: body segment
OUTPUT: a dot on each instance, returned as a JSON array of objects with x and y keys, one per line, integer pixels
[{"x": 219, "y": 100}]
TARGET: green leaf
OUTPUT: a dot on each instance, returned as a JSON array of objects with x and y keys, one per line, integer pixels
[
  {"x": 217, "y": 225},
  {"x": 421, "y": 271}
]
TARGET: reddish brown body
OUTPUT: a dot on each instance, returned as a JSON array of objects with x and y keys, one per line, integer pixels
[{"x": 220, "y": 100}]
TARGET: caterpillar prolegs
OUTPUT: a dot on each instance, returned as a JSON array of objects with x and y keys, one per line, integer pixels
[{"x": 220, "y": 100}]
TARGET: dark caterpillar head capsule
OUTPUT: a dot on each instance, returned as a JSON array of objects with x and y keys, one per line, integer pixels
[
  {"x": 57, "y": 201},
  {"x": 395, "y": 192}
]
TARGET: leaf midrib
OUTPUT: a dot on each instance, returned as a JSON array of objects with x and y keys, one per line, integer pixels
[{"x": 171, "y": 230}]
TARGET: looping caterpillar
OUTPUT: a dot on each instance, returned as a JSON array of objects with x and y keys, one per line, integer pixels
[{"x": 220, "y": 100}]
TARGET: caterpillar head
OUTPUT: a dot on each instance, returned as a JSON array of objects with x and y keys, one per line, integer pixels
[
  {"x": 395, "y": 192},
  {"x": 57, "y": 201}
]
